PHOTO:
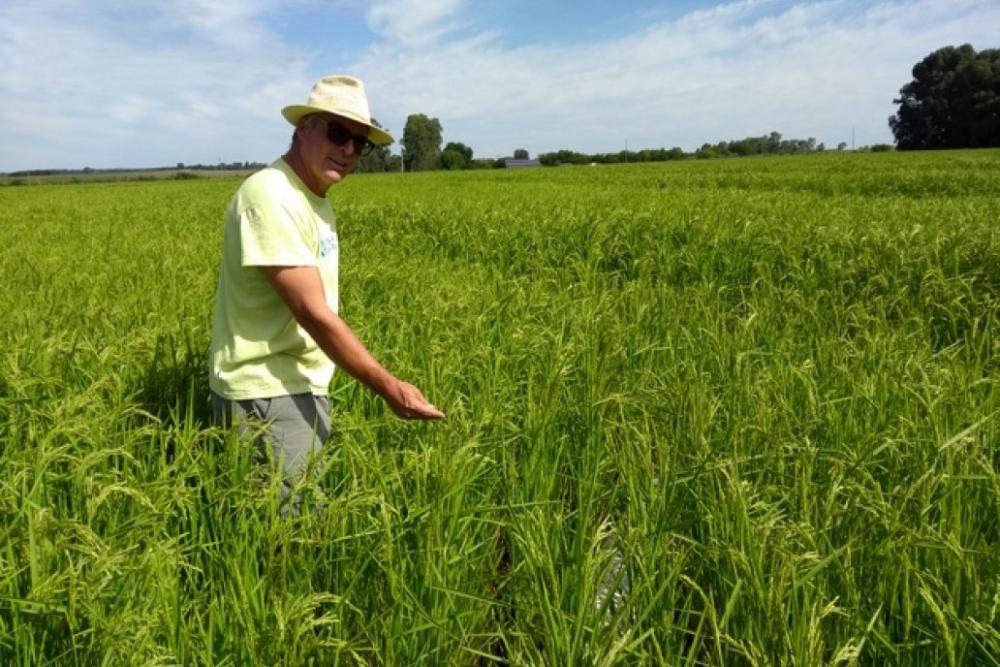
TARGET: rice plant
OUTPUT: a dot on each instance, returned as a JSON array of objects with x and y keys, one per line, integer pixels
[{"x": 731, "y": 412}]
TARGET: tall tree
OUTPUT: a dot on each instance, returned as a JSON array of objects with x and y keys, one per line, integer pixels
[
  {"x": 456, "y": 155},
  {"x": 953, "y": 101},
  {"x": 421, "y": 143},
  {"x": 378, "y": 159},
  {"x": 521, "y": 154}
]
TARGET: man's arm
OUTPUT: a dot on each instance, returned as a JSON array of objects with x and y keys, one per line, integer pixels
[{"x": 301, "y": 288}]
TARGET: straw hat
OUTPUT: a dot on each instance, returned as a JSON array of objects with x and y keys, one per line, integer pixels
[{"x": 342, "y": 96}]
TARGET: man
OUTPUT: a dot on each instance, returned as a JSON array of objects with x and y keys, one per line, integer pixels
[{"x": 276, "y": 335}]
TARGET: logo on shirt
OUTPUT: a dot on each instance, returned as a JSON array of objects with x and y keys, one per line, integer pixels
[{"x": 328, "y": 246}]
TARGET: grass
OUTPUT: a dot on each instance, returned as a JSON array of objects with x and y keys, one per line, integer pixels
[{"x": 758, "y": 396}]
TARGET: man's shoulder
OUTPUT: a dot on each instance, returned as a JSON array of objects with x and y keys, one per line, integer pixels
[
  {"x": 270, "y": 188},
  {"x": 269, "y": 181}
]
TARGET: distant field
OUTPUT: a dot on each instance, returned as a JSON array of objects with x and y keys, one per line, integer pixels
[
  {"x": 723, "y": 412},
  {"x": 100, "y": 176}
]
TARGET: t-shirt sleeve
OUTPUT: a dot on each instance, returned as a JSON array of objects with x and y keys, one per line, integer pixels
[{"x": 271, "y": 236}]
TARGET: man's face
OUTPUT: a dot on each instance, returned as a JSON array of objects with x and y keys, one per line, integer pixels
[{"x": 326, "y": 161}]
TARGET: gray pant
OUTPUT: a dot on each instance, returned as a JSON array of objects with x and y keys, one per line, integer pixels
[{"x": 295, "y": 428}]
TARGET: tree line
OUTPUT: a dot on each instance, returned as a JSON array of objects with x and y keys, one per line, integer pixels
[
  {"x": 421, "y": 151},
  {"x": 953, "y": 101},
  {"x": 769, "y": 144}
]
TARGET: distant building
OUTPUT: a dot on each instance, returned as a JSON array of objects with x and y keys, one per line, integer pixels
[{"x": 521, "y": 164}]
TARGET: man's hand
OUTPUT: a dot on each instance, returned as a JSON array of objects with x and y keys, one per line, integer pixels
[{"x": 408, "y": 403}]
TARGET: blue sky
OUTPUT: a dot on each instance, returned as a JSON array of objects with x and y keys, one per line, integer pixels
[{"x": 138, "y": 84}]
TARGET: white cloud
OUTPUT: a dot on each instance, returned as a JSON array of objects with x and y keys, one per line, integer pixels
[
  {"x": 414, "y": 23},
  {"x": 809, "y": 69},
  {"x": 229, "y": 23},
  {"x": 112, "y": 89}
]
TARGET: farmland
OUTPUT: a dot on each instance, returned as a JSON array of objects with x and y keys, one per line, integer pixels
[{"x": 727, "y": 412}]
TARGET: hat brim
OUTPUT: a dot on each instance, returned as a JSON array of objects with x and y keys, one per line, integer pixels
[{"x": 295, "y": 112}]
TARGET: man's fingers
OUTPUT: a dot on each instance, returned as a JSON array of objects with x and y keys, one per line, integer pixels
[
  {"x": 428, "y": 411},
  {"x": 413, "y": 405},
  {"x": 422, "y": 409}
]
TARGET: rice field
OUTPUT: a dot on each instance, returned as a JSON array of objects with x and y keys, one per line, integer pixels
[{"x": 723, "y": 412}]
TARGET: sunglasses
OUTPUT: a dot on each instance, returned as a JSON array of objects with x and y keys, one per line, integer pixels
[{"x": 340, "y": 135}]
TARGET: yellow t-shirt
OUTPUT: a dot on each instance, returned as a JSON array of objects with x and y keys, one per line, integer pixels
[{"x": 258, "y": 349}]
